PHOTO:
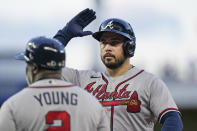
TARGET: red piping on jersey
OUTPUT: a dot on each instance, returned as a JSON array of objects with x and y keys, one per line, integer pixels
[
  {"x": 63, "y": 86},
  {"x": 112, "y": 117},
  {"x": 128, "y": 80},
  {"x": 164, "y": 111}
]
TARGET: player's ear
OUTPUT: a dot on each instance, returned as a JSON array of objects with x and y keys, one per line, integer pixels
[{"x": 35, "y": 69}]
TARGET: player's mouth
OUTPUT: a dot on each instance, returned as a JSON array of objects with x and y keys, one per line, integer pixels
[{"x": 108, "y": 56}]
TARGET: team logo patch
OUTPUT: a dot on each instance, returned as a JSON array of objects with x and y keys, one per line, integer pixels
[
  {"x": 110, "y": 98},
  {"x": 134, "y": 104}
]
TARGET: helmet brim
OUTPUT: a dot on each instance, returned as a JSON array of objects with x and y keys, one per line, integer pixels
[
  {"x": 21, "y": 56},
  {"x": 97, "y": 35}
]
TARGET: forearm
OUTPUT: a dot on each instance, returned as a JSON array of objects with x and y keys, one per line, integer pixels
[
  {"x": 171, "y": 121},
  {"x": 62, "y": 37}
]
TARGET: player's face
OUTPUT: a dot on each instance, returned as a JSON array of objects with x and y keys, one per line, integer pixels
[{"x": 111, "y": 50}]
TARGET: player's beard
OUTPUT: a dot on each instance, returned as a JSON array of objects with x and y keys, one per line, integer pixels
[{"x": 113, "y": 65}]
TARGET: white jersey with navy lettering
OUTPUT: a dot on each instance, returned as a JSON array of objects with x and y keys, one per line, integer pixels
[
  {"x": 53, "y": 105},
  {"x": 134, "y": 101}
]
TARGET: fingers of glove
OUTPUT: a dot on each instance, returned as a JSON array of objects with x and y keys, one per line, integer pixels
[
  {"x": 88, "y": 19},
  {"x": 83, "y": 13},
  {"x": 88, "y": 15},
  {"x": 78, "y": 16},
  {"x": 85, "y": 23}
]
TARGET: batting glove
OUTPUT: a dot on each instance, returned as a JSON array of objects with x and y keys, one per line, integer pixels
[{"x": 74, "y": 28}]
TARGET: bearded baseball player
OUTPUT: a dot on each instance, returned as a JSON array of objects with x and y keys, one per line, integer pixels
[
  {"x": 49, "y": 103},
  {"x": 133, "y": 98}
]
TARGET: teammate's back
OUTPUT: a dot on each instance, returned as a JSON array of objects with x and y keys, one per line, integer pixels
[{"x": 52, "y": 105}]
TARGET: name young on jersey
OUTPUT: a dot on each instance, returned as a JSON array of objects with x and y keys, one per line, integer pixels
[{"x": 56, "y": 98}]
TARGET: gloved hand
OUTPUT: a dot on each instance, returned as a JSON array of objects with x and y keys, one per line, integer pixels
[{"x": 75, "y": 26}]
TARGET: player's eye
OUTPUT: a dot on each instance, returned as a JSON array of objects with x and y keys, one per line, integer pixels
[
  {"x": 114, "y": 43},
  {"x": 102, "y": 41}
]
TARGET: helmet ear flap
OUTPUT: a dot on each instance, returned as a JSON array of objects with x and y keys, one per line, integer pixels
[{"x": 129, "y": 48}]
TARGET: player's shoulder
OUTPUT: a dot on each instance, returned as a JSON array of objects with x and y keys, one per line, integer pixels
[
  {"x": 15, "y": 98},
  {"x": 84, "y": 73},
  {"x": 90, "y": 74},
  {"x": 146, "y": 75}
]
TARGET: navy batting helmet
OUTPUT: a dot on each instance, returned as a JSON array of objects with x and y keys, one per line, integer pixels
[
  {"x": 45, "y": 52},
  {"x": 120, "y": 27}
]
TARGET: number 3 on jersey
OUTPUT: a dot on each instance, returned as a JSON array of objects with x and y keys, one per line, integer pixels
[{"x": 58, "y": 115}]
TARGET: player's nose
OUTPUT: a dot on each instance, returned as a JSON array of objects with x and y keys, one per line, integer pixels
[{"x": 108, "y": 46}]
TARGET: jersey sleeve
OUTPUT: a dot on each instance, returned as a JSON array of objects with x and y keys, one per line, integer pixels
[
  {"x": 71, "y": 75},
  {"x": 7, "y": 122},
  {"x": 161, "y": 100},
  {"x": 78, "y": 77}
]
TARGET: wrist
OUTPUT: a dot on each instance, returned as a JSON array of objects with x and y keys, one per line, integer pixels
[{"x": 63, "y": 37}]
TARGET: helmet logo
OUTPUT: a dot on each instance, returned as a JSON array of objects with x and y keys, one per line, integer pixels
[
  {"x": 51, "y": 63},
  {"x": 31, "y": 46},
  {"x": 61, "y": 64},
  {"x": 110, "y": 25}
]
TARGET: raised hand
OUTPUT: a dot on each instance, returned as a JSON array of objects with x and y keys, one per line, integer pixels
[{"x": 74, "y": 28}]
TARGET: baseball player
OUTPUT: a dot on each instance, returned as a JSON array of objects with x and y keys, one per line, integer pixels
[
  {"x": 49, "y": 103},
  {"x": 134, "y": 99}
]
